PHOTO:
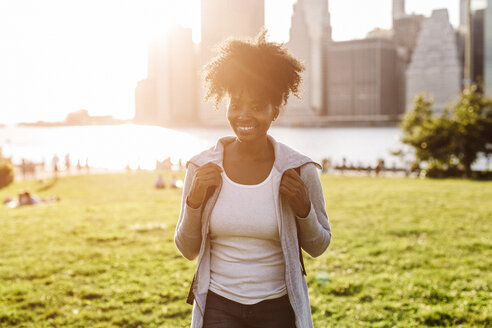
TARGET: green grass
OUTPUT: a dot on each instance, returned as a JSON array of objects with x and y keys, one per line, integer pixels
[{"x": 404, "y": 253}]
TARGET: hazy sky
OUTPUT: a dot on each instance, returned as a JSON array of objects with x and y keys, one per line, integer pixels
[{"x": 57, "y": 56}]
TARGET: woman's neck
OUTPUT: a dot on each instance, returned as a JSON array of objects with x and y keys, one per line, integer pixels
[{"x": 253, "y": 150}]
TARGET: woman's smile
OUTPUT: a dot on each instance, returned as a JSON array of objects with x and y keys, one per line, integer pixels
[{"x": 245, "y": 128}]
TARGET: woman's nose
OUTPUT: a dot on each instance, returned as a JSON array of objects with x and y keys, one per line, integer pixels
[{"x": 244, "y": 112}]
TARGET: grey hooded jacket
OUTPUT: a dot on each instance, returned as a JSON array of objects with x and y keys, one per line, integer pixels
[{"x": 191, "y": 237}]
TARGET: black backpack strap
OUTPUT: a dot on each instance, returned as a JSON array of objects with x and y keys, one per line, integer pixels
[
  {"x": 301, "y": 259},
  {"x": 191, "y": 295}
]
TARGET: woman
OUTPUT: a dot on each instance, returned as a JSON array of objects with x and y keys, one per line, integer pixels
[{"x": 249, "y": 203}]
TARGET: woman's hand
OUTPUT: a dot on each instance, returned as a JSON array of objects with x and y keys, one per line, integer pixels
[
  {"x": 206, "y": 176},
  {"x": 292, "y": 187}
]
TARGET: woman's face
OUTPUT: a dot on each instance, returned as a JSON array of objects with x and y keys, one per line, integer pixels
[{"x": 249, "y": 117}]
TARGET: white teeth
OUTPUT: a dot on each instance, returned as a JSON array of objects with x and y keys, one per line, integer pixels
[{"x": 246, "y": 128}]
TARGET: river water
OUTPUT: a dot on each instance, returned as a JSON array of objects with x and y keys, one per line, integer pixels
[{"x": 117, "y": 146}]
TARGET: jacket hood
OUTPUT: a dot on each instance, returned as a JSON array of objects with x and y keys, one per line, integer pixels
[{"x": 285, "y": 157}]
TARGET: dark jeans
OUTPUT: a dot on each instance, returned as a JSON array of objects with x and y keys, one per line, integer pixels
[{"x": 221, "y": 312}]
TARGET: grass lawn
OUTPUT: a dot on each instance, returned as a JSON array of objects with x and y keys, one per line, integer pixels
[{"x": 404, "y": 253}]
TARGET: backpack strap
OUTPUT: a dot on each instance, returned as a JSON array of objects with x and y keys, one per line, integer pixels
[
  {"x": 301, "y": 259},
  {"x": 191, "y": 295}
]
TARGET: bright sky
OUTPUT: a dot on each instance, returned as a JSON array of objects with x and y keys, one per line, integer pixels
[{"x": 57, "y": 56}]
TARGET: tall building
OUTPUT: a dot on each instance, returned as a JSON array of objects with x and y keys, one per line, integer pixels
[
  {"x": 310, "y": 34},
  {"x": 183, "y": 77},
  {"x": 466, "y": 21},
  {"x": 463, "y": 13},
  {"x": 477, "y": 35},
  {"x": 319, "y": 27},
  {"x": 168, "y": 94},
  {"x": 300, "y": 46},
  {"x": 435, "y": 68},
  {"x": 146, "y": 102},
  {"x": 405, "y": 31},
  {"x": 222, "y": 19},
  {"x": 406, "y": 28},
  {"x": 363, "y": 80},
  {"x": 488, "y": 49},
  {"x": 398, "y": 9}
]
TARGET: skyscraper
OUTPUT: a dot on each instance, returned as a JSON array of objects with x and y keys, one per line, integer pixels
[
  {"x": 363, "y": 80},
  {"x": 168, "y": 94},
  {"x": 477, "y": 33},
  {"x": 398, "y": 9},
  {"x": 229, "y": 18},
  {"x": 300, "y": 46},
  {"x": 435, "y": 67},
  {"x": 488, "y": 49},
  {"x": 222, "y": 19},
  {"x": 463, "y": 13},
  {"x": 405, "y": 31},
  {"x": 310, "y": 34},
  {"x": 318, "y": 21}
]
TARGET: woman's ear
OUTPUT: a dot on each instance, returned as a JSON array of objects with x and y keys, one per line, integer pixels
[{"x": 276, "y": 112}]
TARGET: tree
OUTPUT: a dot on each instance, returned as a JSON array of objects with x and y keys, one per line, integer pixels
[
  {"x": 6, "y": 171},
  {"x": 453, "y": 139},
  {"x": 472, "y": 120}
]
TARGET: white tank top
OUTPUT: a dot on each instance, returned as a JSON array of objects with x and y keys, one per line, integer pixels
[{"x": 246, "y": 260}]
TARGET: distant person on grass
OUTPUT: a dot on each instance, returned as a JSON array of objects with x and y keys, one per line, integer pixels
[
  {"x": 250, "y": 203},
  {"x": 54, "y": 165},
  {"x": 159, "y": 182},
  {"x": 24, "y": 197}
]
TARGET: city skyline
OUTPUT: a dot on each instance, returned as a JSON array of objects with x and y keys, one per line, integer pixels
[{"x": 47, "y": 71}]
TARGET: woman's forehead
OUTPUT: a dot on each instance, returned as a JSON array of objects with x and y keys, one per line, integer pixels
[{"x": 247, "y": 95}]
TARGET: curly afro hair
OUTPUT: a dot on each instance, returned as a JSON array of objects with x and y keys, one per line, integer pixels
[{"x": 265, "y": 68}]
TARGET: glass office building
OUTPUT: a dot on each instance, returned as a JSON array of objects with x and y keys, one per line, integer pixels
[{"x": 488, "y": 49}]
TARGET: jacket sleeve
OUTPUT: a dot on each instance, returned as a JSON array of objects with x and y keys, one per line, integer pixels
[
  {"x": 314, "y": 229},
  {"x": 188, "y": 235}
]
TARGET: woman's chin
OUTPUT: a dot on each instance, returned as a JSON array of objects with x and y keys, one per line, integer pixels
[{"x": 248, "y": 136}]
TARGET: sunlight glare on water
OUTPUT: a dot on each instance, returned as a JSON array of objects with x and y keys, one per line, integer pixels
[
  {"x": 112, "y": 147},
  {"x": 117, "y": 146}
]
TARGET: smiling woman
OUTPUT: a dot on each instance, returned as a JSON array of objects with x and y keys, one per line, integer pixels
[{"x": 250, "y": 203}]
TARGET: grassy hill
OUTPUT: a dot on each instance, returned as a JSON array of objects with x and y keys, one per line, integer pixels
[{"x": 404, "y": 253}]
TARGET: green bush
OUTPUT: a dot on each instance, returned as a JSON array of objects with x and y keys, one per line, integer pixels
[
  {"x": 440, "y": 173},
  {"x": 6, "y": 172},
  {"x": 449, "y": 142}
]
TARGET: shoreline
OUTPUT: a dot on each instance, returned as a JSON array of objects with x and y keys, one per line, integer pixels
[{"x": 41, "y": 175}]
